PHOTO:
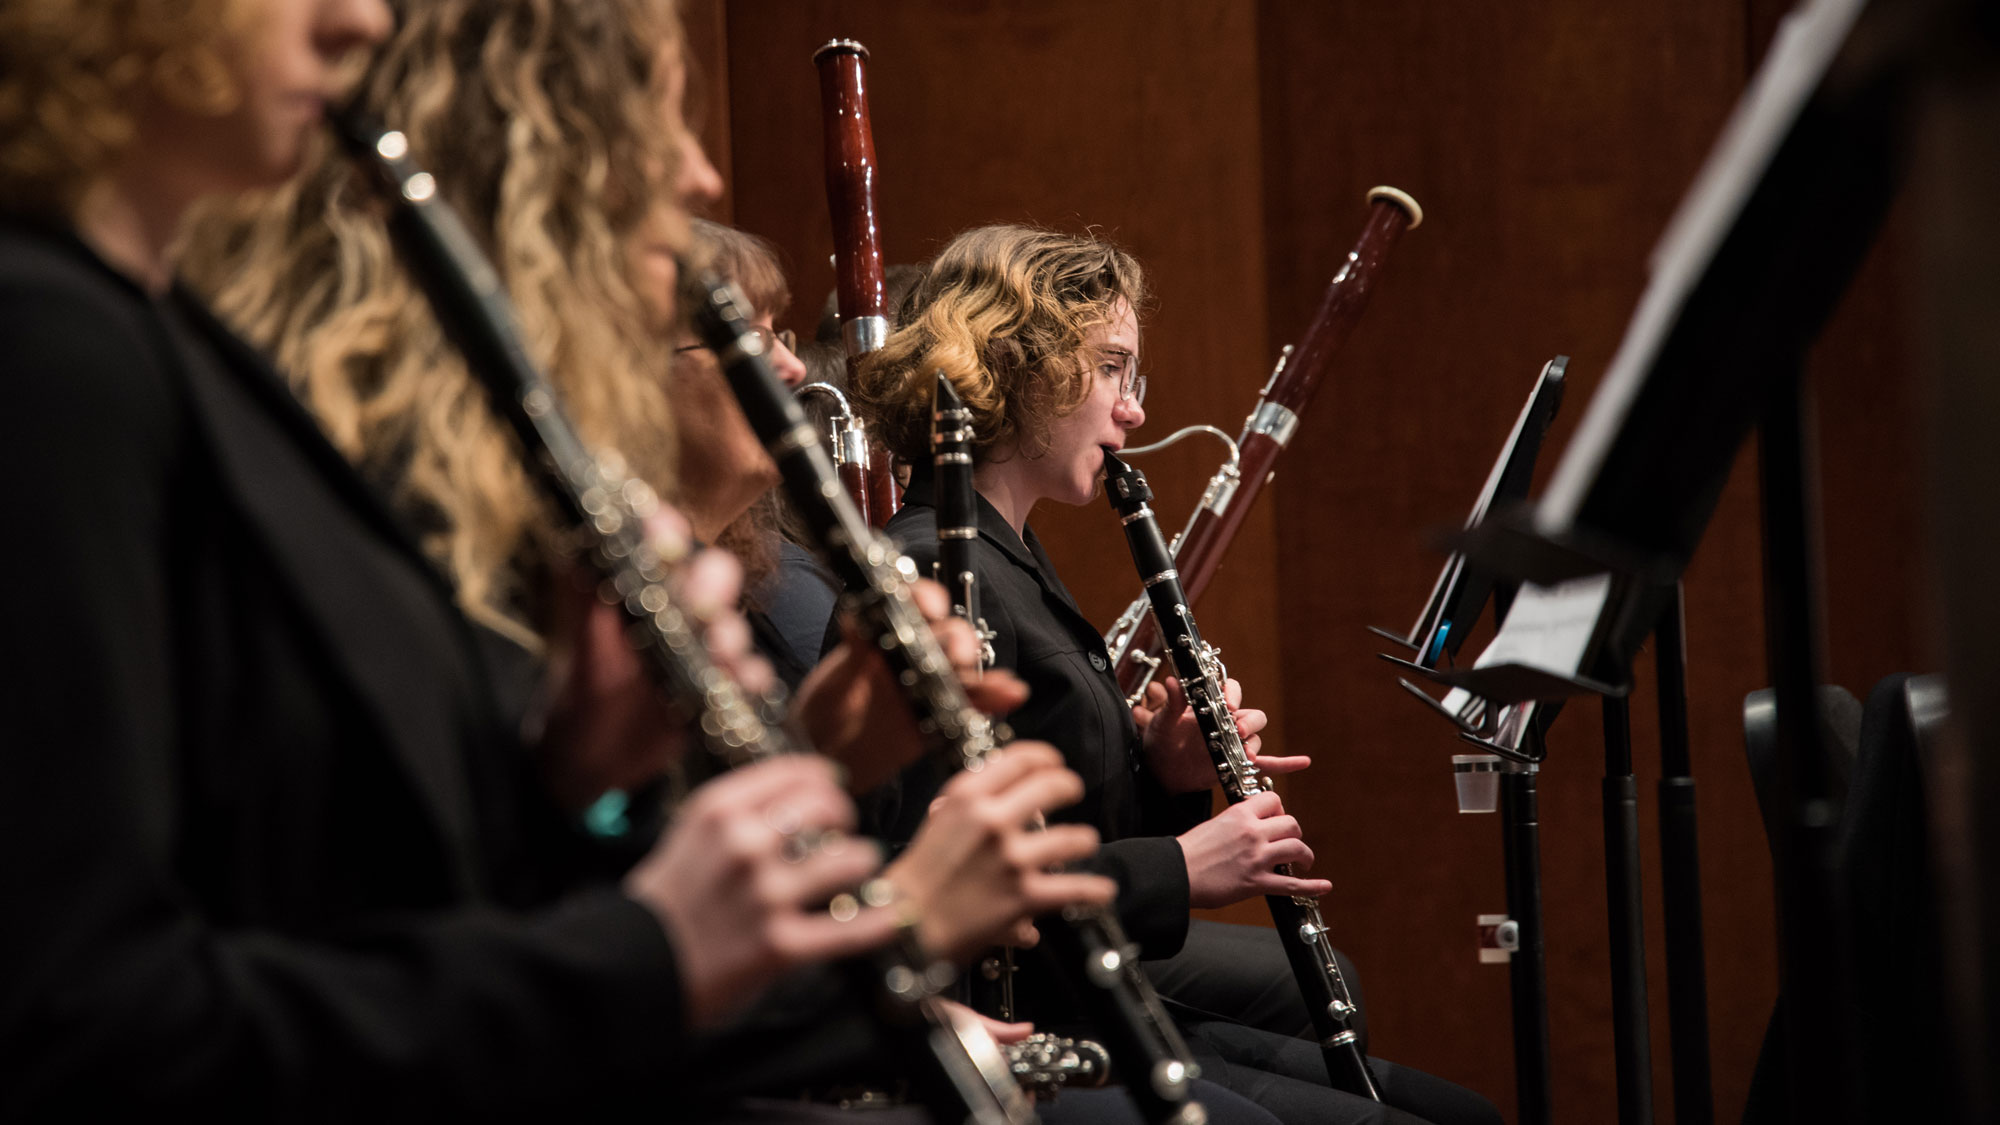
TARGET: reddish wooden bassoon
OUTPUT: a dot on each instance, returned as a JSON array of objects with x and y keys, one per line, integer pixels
[
  {"x": 857, "y": 244},
  {"x": 1134, "y": 640}
]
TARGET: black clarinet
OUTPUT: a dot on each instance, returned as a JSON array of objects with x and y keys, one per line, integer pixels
[
  {"x": 957, "y": 510},
  {"x": 968, "y": 1077},
  {"x": 1202, "y": 678},
  {"x": 1088, "y": 942}
]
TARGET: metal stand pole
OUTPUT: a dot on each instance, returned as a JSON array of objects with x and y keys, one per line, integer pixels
[
  {"x": 1814, "y": 960},
  {"x": 1625, "y": 908},
  {"x": 1528, "y": 969},
  {"x": 1680, "y": 878}
]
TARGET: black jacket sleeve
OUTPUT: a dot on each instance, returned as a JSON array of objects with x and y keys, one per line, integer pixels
[{"x": 116, "y": 988}]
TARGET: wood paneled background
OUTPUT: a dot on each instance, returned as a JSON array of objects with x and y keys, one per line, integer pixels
[{"x": 1229, "y": 145}]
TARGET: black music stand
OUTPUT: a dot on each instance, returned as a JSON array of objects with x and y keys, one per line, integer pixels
[
  {"x": 1763, "y": 245},
  {"x": 1457, "y": 600}
]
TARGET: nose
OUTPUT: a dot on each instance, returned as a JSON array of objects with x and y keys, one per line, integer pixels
[
  {"x": 346, "y": 24},
  {"x": 697, "y": 181},
  {"x": 1129, "y": 414},
  {"x": 791, "y": 369}
]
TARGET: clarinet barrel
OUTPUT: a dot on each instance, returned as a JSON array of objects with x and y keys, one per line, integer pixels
[{"x": 1300, "y": 927}]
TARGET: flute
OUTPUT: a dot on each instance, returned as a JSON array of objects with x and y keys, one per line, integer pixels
[
  {"x": 1088, "y": 942},
  {"x": 1298, "y": 921},
  {"x": 862, "y": 293},
  {"x": 969, "y": 1077},
  {"x": 1134, "y": 639}
]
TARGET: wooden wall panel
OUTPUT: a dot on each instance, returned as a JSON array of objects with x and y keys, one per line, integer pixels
[{"x": 1230, "y": 146}]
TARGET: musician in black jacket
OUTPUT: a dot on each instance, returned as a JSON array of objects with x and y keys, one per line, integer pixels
[
  {"x": 260, "y": 815},
  {"x": 1039, "y": 335},
  {"x": 268, "y": 832}
]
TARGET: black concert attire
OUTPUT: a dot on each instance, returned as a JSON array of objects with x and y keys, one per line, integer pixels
[
  {"x": 1076, "y": 705},
  {"x": 796, "y": 603},
  {"x": 267, "y": 839}
]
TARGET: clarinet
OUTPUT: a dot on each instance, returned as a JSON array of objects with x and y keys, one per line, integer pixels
[
  {"x": 958, "y": 511},
  {"x": 1202, "y": 678},
  {"x": 970, "y": 1077},
  {"x": 1088, "y": 942}
]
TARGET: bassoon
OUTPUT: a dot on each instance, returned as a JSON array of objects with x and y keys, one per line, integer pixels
[
  {"x": 1328, "y": 1003},
  {"x": 1087, "y": 942},
  {"x": 847, "y": 443},
  {"x": 1134, "y": 639},
  {"x": 860, "y": 288},
  {"x": 962, "y": 1073}
]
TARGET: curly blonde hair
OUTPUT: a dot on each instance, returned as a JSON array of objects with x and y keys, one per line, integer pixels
[
  {"x": 72, "y": 73},
  {"x": 543, "y": 121},
  {"x": 1002, "y": 312}
]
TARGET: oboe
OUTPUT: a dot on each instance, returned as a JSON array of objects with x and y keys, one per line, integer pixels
[
  {"x": 1134, "y": 640},
  {"x": 1088, "y": 942},
  {"x": 857, "y": 241},
  {"x": 1202, "y": 677},
  {"x": 970, "y": 1077}
]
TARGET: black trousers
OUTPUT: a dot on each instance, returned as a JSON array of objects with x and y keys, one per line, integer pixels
[{"x": 1231, "y": 988}]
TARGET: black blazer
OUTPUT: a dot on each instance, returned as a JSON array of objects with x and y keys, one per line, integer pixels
[
  {"x": 263, "y": 839},
  {"x": 1076, "y": 706}
]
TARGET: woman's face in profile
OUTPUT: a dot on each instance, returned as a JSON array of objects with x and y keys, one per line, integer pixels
[
  {"x": 1069, "y": 471},
  {"x": 283, "y": 60},
  {"x": 656, "y": 245}
]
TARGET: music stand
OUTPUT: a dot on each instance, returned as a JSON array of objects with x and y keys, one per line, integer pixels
[
  {"x": 1763, "y": 245},
  {"x": 1457, "y": 600}
]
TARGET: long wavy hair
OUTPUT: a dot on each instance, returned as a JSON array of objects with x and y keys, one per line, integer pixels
[
  {"x": 543, "y": 120},
  {"x": 1002, "y": 312},
  {"x": 73, "y": 72}
]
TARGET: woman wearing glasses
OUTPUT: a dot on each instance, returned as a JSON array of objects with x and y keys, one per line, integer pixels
[{"x": 1038, "y": 332}]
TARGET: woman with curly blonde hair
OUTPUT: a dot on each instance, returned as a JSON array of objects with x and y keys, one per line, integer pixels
[
  {"x": 1038, "y": 332},
  {"x": 268, "y": 837},
  {"x": 554, "y": 126},
  {"x": 560, "y": 120}
]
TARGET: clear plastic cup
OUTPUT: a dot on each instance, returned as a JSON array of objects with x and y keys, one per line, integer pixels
[{"x": 1478, "y": 779}]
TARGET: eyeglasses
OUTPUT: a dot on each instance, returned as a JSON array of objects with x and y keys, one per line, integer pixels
[
  {"x": 765, "y": 336},
  {"x": 1131, "y": 384}
]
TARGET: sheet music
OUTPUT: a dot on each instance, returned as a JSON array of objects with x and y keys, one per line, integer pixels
[
  {"x": 1550, "y": 627},
  {"x": 1805, "y": 45}
]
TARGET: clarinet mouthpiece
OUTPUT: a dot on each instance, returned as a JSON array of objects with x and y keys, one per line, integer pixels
[{"x": 1125, "y": 485}]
